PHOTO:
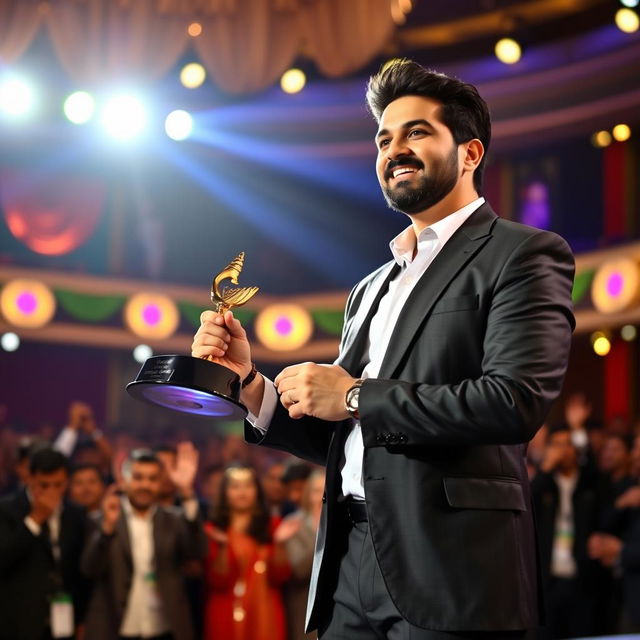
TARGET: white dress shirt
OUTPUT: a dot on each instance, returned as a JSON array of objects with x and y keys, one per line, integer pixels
[
  {"x": 403, "y": 246},
  {"x": 144, "y": 614}
]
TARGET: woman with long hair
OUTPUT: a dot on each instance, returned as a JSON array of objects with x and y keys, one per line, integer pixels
[{"x": 244, "y": 568}]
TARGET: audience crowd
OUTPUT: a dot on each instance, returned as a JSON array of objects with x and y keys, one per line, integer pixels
[{"x": 134, "y": 534}]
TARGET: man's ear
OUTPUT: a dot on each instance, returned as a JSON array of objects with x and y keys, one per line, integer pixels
[{"x": 473, "y": 155}]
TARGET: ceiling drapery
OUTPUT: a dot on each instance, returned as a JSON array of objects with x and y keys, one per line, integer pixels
[
  {"x": 19, "y": 23},
  {"x": 245, "y": 45}
]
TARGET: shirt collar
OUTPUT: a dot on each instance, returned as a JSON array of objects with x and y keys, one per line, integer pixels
[{"x": 404, "y": 243}]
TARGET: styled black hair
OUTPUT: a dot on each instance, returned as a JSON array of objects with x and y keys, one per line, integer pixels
[
  {"x": 146, "y": 456},
  {"x": 85, "y": 466},
  {"x": 48, "y": 461},
  {"x": 464, "y": 112},
  {"x": 165, "y": 448},
  {"x": 296, "y": 471}
]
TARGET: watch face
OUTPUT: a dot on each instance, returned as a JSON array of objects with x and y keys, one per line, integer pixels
[{"x": 352, "y": 400}]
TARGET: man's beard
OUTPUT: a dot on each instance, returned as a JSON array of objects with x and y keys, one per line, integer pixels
[{"x": 428, "y": 190}]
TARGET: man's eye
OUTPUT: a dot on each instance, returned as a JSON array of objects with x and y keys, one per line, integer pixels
[
  {"x": 383, "y": 143},
  {"x": 415, "y": 132}
]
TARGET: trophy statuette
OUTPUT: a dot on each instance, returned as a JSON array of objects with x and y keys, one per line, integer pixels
[{"x": 194, "y": 385}]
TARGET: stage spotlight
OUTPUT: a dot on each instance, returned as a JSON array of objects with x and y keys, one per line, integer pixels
[
  {"x": 10, "y": 341},
  {"x": 629, "y": 333},
  {"x": 193, "y": 75},
  {"x": 630, "y": 3},
  {"x": 178, "y": 125},
  {"x": 601, "y": 139},
  {"x": 124, "y": 117},
  {"x": 627, "y": 20},
  {"x": 142, "y": 353},
  {"x": 621, "y": 132},
  {"x": 600, "y": 343},
  {"x": 16, "y": 96},
  {"x": 293, "y": 81},
  {"x": 508, "y": 51},
  {"x": 79, "y": 107},
  {"x": 194, "y": 29}
]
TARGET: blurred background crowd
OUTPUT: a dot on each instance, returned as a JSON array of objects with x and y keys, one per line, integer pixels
[{"x": 132, "y": 536}]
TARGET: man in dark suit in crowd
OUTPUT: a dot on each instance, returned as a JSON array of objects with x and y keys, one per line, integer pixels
[
  {"x": 42, "y": 593},
  {"x": 451, "y": 356},
  {"x": 568, "y": 502},
  {"x": 136, "y": 555}
]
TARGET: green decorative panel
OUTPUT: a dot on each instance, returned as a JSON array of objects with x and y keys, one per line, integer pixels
[
  {"x": 581, "y": 285},
  {"x": 89, "y": 308},
  {"x": 329, "y": 321}
]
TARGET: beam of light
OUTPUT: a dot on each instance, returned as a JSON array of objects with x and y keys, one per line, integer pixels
[
  {"x": 336, "y": 171},
  {"x": 79, "y": 107},
  {"x": 124, "y": 117},
  {"x": 16, "y": 96},
  {"x": 276, "y": 220},
  {"x": 178, "y": 125}
]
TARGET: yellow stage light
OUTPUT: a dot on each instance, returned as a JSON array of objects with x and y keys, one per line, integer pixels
[
  {"x": 508, "y": 51},
  {"x": 293, "y": 81},
  {"x": 193, "y": 75},
  {"x": 194, "y": 29},
  {"x": 621, "y": 132},
  {"x": 627, "y": 20},
  {"x": 601, "y": 139},
  {"x": 284, "y": 327},
  {"x": 27, "y": 303},
  {"x": 602, "y": 346}
]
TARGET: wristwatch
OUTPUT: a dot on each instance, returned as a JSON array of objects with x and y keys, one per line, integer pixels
[{"x": 352, "y": 398}]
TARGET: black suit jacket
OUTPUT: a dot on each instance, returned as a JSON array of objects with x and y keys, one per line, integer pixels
[
  {"x": 587, "y": 506},
  {"x": 476, "y": 358},
  {"x": 27, "y": 568}
]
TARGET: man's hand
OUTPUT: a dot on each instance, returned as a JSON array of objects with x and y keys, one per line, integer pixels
[
  {"x": 630, "y": 499},
  {"x": 184, "y": 473},
  {"x": 316, "y": 390},
  {"x": 287, "y": 529},
  {"x": 605, "y": 548},
  {"x": 111, "y": 508},
  {"x": 81, "y": 417},
  {"x": 223, "y": 338},
  {"x": 44, "y": 503}
]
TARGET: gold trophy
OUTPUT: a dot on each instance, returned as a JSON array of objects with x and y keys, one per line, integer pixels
[{"x": 194, "y": 385}]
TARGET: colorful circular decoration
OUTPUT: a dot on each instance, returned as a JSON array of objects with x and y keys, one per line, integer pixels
[
  {"x": 284, "y": 327},
  {"x": 27, "y": 303},
  {"x": 616, "y": 286},
  {"x": 151, "y": 315}
]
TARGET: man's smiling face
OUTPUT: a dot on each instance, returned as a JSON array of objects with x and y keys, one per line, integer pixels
[{"x": 417, "y": 163}]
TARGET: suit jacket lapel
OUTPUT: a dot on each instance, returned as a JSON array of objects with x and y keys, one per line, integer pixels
[
  {"x": 455, "y": 254},
  {"x": 354, "y": 345}
]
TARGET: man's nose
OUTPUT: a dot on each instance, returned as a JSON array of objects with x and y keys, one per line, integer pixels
[{"x": 398, "y": 147}]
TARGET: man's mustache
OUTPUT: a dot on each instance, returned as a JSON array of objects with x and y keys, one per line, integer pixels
[{"x": 402, "y": 161}]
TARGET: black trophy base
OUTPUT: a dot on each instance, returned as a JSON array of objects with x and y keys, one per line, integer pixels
[{"x": 189, "y": 385}]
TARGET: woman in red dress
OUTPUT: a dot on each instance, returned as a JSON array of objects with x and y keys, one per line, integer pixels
[{"x": 244, "y": 568}]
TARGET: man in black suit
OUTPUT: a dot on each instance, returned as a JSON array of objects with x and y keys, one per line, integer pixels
[
  {"x": 42, "y": 593},
  {"x": 138, "y": 551},
  {"x": 451, "y": 356}
]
